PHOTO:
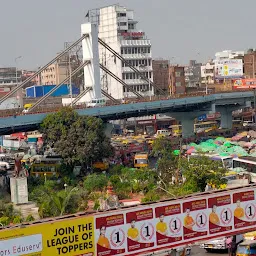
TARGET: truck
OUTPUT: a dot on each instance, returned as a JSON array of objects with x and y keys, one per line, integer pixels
[{"x": 219, "y": 244}]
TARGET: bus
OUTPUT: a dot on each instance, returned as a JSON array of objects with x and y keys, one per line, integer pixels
[
  {"x": 205, "y": 126},
  {"x": 248, "y": 163},
  {"x": 245, "y": 84},
  {"x": 237, "y": 124},
  {"x": 226, "y": 161},
  {"x": 49, "y": 166},
  {"x": 141, "y": 160},
  {"x": 176, "y": 130}
]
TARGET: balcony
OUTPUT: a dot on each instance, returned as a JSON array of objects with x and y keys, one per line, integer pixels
[
  {"x": 141, "y": 69},
  {"x": 134, "y": 81},
  {"x": 141, "y": 42},
  {"x": 137, "y": 56}
]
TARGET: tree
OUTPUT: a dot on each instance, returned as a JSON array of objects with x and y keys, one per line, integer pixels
[
  {"x": 53, "y": 204},
  {"x": 55, "y": 125},
  {"x": 162, "y": 146},
  {"x": 78, "y": 139},
  {"x": 167, "y": 168},
  {"x": 200, "y": 171},
  {"x": 95, "y": 182}
]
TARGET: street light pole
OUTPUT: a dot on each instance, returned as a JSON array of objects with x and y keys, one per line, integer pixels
[
  {"x": 16, "y": 69},
  {"x": 253, "y": 65}
]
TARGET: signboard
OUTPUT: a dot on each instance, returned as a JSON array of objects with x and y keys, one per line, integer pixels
[
  {"x": 67, "y": 237},
  {"x": 228, "y": 68},
  {"x": 221, "y": 215},
  {"x": 195, "y": 219},
  {"x": 137, "y": 230},
  {"x": 133, "y": 34},
  {"x": 244, "y": 209},
  {"x": 140, "y": 230},
  {"x": 110, "y": 235},
  {"x": 169, "y": 228}
]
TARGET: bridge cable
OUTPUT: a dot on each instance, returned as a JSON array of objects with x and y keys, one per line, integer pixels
[
  {"x": 129, "y": 65},
  {"x": 57, "y": 86},
  {"x": 78, "y": 97},
  {"x": 121, "y": 81},
  {"x": 41, "y": 69},
  {"x": 110, "y": 97}
]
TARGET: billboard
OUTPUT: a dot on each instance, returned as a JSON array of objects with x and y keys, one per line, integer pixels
[
  {"x": 66, "y": 237},
  {"x": 228, "y": 68},
  {"x": 138, "y": 230}
]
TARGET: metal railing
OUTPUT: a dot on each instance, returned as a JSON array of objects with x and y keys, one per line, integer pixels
[{"x": 56, "y": 107}]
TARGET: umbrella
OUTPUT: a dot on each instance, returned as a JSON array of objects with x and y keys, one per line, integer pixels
[
  {"x": 245, "y": 138},
  {"x": 191, "y": 150}
]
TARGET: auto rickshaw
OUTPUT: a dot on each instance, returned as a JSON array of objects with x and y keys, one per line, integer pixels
[{"x": 246, "y": 248}]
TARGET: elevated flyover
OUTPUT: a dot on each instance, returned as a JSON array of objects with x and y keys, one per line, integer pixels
[{"x": 183, "y": 108}]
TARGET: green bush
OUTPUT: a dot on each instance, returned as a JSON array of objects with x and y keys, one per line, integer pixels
[
  {"x": 151, "y": 196},
  {"x": 30, "y": 218},
  {"x": 5, "y": 221},
  {"x": 95, "y": 182},
  {"x": 17, "y": 220}
]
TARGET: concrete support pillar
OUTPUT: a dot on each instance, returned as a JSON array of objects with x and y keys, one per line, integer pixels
[
  {"x": 187, "y": 120},
  {"x": 226, "y": 117},
  {"x": 248, "y": 104},
  {"x": 213, "y": 108}
]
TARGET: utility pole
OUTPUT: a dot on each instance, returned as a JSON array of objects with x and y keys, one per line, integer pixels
[
  {"x": 70, "y": 79},
  {"x": 254, "y": 103}
]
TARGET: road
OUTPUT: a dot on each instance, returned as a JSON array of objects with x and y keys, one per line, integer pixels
[{"x": 201, "y": 252}]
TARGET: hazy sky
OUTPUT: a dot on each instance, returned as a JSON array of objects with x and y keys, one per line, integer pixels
[{"x": 184, "y": 29}]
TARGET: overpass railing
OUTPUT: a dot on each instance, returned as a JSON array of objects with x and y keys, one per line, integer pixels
[{"x": 56, "y": 107}]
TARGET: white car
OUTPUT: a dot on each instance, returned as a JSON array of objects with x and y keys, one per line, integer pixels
[
  {"x": 247, "y": 123},
  {"x": 96, "y": 103},
  {"x": 219, "y": 244}
]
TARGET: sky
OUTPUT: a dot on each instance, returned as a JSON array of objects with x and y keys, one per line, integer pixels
[{"x": 179, "y": 30}]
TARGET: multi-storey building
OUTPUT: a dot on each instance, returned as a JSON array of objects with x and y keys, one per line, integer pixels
[
  {"x": 228, "y": 54},
  {"x": 249, "y": 64},
  {"x": 9, "y": 77},
  {"x": 207, "y": 73},
  {"x": 193, "y": 74},
  {"x": 177, "y": 80},
  {"x": 118, "y": 29},
  {"x": 55, "y": 73},
  {"x": 161, "y": 72}
]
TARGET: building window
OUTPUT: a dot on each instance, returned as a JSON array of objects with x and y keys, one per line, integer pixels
[
  {"x": 177, "y": 74},
  {"x": 177, "y": 84},
  {"x": 131, "y": 26},
  {"x": 129, "y": 50},
  {"x": 122, "y": 51},
  {"x": 123, "y": 75},
  {"x": 121, "y": 14},
  {"x": 122, "y": 23}
]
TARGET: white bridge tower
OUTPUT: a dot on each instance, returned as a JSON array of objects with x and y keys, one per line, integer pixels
[{"x": 92, "y": 70}]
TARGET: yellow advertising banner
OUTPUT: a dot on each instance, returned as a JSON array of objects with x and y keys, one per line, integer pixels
[{"x": 70, "y": 237}]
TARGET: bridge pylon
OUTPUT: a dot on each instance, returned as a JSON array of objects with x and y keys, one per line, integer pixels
[{"x": 90, "y": 50}]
